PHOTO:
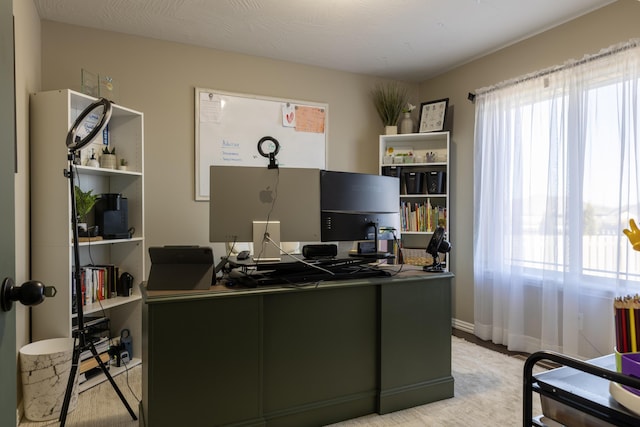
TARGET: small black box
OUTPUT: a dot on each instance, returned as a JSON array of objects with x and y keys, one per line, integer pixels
[
  {"x": 319, "y": 251},
  {"x": 436, "y": 182},
  {"x": 414, "y": 182}
]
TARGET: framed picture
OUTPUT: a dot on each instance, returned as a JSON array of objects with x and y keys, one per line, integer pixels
[{"x": 432, "y": 114}]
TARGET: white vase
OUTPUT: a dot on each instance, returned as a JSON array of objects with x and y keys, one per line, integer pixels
[
  {"x": 391, "y": 130},
  {"x": 406, "y": 125}
]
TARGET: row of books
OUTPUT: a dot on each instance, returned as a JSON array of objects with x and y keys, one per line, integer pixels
[
  {"x": 98, "y": 282},
  {"x": 627, "y": 323},
  {"x": 421, "y": 216}
]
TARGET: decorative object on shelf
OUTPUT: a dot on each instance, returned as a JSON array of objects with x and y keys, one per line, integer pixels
[
  {"x": 432, "y": 115},
  {"x": 85, "y": 200},
  {"x": 406, "y": 125},
  {"x": 90, "y": 83},
  {"x": 92, "y": 161},
  {"x": 98, "y": 86},
  {"x": 124, "y": 165},
  {"x": 108, "y": 88},
  {"x": 389, "y": 99},
  {"x": 108, "y": 158}
]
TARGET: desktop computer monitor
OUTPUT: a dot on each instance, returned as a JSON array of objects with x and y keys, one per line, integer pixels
[
  {"x": 306, "y": 205},
  {"x": 357, "y": 206},
  {"x": 242, "y": 195}
]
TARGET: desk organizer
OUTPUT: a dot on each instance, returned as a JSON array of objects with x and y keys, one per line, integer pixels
[{"x": 629, "y": 397}]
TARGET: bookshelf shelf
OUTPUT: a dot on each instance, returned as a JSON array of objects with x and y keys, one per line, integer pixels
[
  {"x": 110, "y": 303},
  {"x": 88, "y": 170},
  {"x": 424, "y": 183},
  {"x": 113, "y": 370},
  {"x": 112, "y": 241},
  {"x": 51, "y": 115}
]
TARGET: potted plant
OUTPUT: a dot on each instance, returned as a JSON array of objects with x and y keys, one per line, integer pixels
[
  {"x": 85, "y": 200},
  {"x": 389, "y": 99},
  {"x": 124, "y": 164},
  {"x": 108, "y": 158}
]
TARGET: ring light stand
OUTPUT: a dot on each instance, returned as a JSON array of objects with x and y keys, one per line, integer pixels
[
  {"x": 271, "y": 155},
  {"x": 87, "y": 126}
]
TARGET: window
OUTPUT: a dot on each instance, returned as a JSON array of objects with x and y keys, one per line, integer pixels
[{"x": 556, "y": 181}]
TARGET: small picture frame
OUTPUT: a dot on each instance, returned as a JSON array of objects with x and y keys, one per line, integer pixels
[{"x": 432, "y": 115}]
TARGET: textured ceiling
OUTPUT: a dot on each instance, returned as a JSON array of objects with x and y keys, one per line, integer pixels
[{"x": 408, "y": 40}]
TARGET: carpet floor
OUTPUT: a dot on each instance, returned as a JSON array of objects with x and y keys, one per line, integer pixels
[{"x": 487, "y": 392}]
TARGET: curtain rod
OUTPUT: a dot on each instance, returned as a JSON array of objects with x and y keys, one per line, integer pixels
[{"x": 547, "y": 71}]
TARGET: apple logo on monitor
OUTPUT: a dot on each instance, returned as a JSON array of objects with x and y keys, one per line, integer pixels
[{"x": 266, "y": 195}]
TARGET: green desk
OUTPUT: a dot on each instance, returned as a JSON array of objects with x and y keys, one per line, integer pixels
[{"x": 283, "y": 356}]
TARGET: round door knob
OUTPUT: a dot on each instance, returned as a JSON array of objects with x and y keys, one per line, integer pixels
[{"x": 31, "y": 292}]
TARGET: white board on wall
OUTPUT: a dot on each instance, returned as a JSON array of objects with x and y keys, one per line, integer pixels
[{"x": 229, "y": 125}]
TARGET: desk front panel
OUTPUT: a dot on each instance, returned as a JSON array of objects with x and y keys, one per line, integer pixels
[{"x": 292, "y": 357}]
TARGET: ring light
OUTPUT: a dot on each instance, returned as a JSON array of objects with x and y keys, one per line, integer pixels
[
  {"x": 271, "y": 155},
  {"x": 89, "y": 124}
]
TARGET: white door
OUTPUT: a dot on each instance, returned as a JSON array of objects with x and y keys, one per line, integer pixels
[{"x": 8, "y": 372}]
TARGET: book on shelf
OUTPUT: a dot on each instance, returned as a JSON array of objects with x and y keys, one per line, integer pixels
[
  {"x": 422, "y": 216},
  {"x": 101, "y": 345},
  {"x": 92, "y": 322},
  {"x": 98, "y": 282},
  {"x": 86, "y": 376},
  {"x": 91, "y": 362}
]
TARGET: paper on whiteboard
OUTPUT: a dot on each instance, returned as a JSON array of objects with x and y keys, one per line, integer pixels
[
  {"x": 210, "y": 108},
  {"x": 288, "y": 115}
]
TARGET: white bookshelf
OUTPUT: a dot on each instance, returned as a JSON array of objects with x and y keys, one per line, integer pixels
[
  {"x": 429, "y": 153},
  {"x": 51, "y": 115}
]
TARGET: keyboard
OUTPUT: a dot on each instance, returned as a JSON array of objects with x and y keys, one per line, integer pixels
[
  {"x": 309, "y": 275},
  {"x": 298, "y": 266}
]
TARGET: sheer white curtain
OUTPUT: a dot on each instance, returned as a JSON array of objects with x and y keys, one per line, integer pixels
[{"x": 556, "y": 180}]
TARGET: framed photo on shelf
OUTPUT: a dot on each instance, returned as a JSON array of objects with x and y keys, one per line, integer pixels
[{"x": 432, "y": 114}]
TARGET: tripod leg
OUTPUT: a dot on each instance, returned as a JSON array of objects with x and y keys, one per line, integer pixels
[
  {"x": 72, "y": 376},
  {"x": 110, "y": 378}
]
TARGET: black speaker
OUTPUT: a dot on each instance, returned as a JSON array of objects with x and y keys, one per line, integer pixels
[{"x": 319, "y": 251}]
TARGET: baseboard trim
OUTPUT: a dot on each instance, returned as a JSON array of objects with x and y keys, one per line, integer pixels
[{"x": 462, "y": 325}]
